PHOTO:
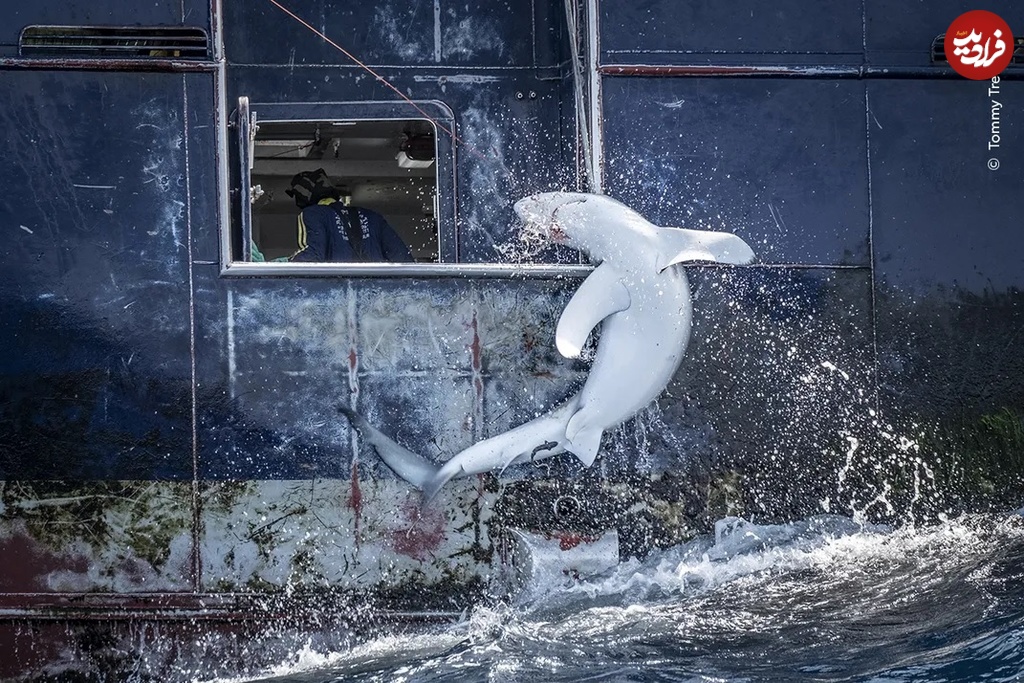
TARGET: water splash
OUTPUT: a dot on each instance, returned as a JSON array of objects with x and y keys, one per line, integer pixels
[
  {"x": 824, "y": 596},
  {"x": 524, "y": 243}
]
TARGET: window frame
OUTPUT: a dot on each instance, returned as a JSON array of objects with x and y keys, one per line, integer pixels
[
  {"x": 247, "y": 116},
  {"x": 236, "y": 206}
]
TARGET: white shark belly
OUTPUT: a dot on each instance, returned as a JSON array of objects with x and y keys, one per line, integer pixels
[
  {"x": 639, "y": 351},
  {"x": 640, "y": 296}
]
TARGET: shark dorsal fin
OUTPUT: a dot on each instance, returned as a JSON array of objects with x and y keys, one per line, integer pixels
[
  {"x": 679, "y": 245},
  {"x": 600, "y": 295}
]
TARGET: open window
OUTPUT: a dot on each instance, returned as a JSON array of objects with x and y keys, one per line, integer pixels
[{"x": 385, "y": 158}]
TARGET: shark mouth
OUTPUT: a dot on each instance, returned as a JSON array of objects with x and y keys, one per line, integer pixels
[
  {"x": 537, "y": 233},
  {"x": 540, "y": 231},
  {"x": 530, "y": 239}
]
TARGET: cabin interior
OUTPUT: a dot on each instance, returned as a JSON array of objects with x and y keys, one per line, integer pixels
[{"x": 387, "y": 166}]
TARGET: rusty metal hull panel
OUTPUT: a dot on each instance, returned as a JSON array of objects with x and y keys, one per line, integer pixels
[
  {"x": 118, "y": 537},
  {"x": 368, "y": 536}
]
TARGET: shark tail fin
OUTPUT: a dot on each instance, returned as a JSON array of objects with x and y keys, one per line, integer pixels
[
  {"x": 445, "y": 474},
  {"x": 679, "y": 245},
  {"x": 537, "y": 439},
  {"x": 411, "y": 467}
]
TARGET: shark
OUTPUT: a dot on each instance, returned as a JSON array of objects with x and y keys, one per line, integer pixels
[{"x": 639, "y": 296}]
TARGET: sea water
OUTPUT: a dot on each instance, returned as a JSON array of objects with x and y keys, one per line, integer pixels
[{"x": 822, "y": 599}]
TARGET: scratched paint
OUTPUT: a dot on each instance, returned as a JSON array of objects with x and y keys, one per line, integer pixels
[
  {"x": 401, "y": 32},
  {"x": 291, "y": 535},
  {"x": 464, "y": 38},
  {"x": 163, "y": 168},
  {"x": 287, "y": 535},
  {"x": 120, "y": 537}
]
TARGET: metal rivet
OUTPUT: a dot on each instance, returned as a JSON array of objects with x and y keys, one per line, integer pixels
[{"x": 566, "y": 506}]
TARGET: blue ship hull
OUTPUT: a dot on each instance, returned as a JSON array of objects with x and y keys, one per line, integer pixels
[{"x": 170, "y": 446}]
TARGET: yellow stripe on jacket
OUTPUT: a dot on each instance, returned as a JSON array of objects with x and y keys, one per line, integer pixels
[{"x": 301, "y": 238}]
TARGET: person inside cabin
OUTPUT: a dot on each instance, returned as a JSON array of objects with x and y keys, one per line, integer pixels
[{"x": 330, "y": 231}]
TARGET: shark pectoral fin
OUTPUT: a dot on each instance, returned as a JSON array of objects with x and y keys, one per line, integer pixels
[
  {"x": 679, "y": 245},
  {"x": 600, "y": 295}
]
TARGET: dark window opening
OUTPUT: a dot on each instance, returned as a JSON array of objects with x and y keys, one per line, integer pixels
[
  {"x": 386, "y": 166},
  {"x": 385, "y": 159}
]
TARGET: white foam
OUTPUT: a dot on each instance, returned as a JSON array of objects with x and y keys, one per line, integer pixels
[
  {"x": 834, "y": 546},
  {"x": 722, "y": 583}
]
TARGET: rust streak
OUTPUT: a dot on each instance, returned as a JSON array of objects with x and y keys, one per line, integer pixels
[
  {"x": 475, "y": 347},
  {"x": 568, "y": 541},
  {"x": 422, "y": 531},
  {"x": 476, "y": 362},
  {"x": 355, "y": 499}
]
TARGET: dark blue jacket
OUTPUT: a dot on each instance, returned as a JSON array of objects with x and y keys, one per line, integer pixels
[{"x": 323, "y": 235}]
